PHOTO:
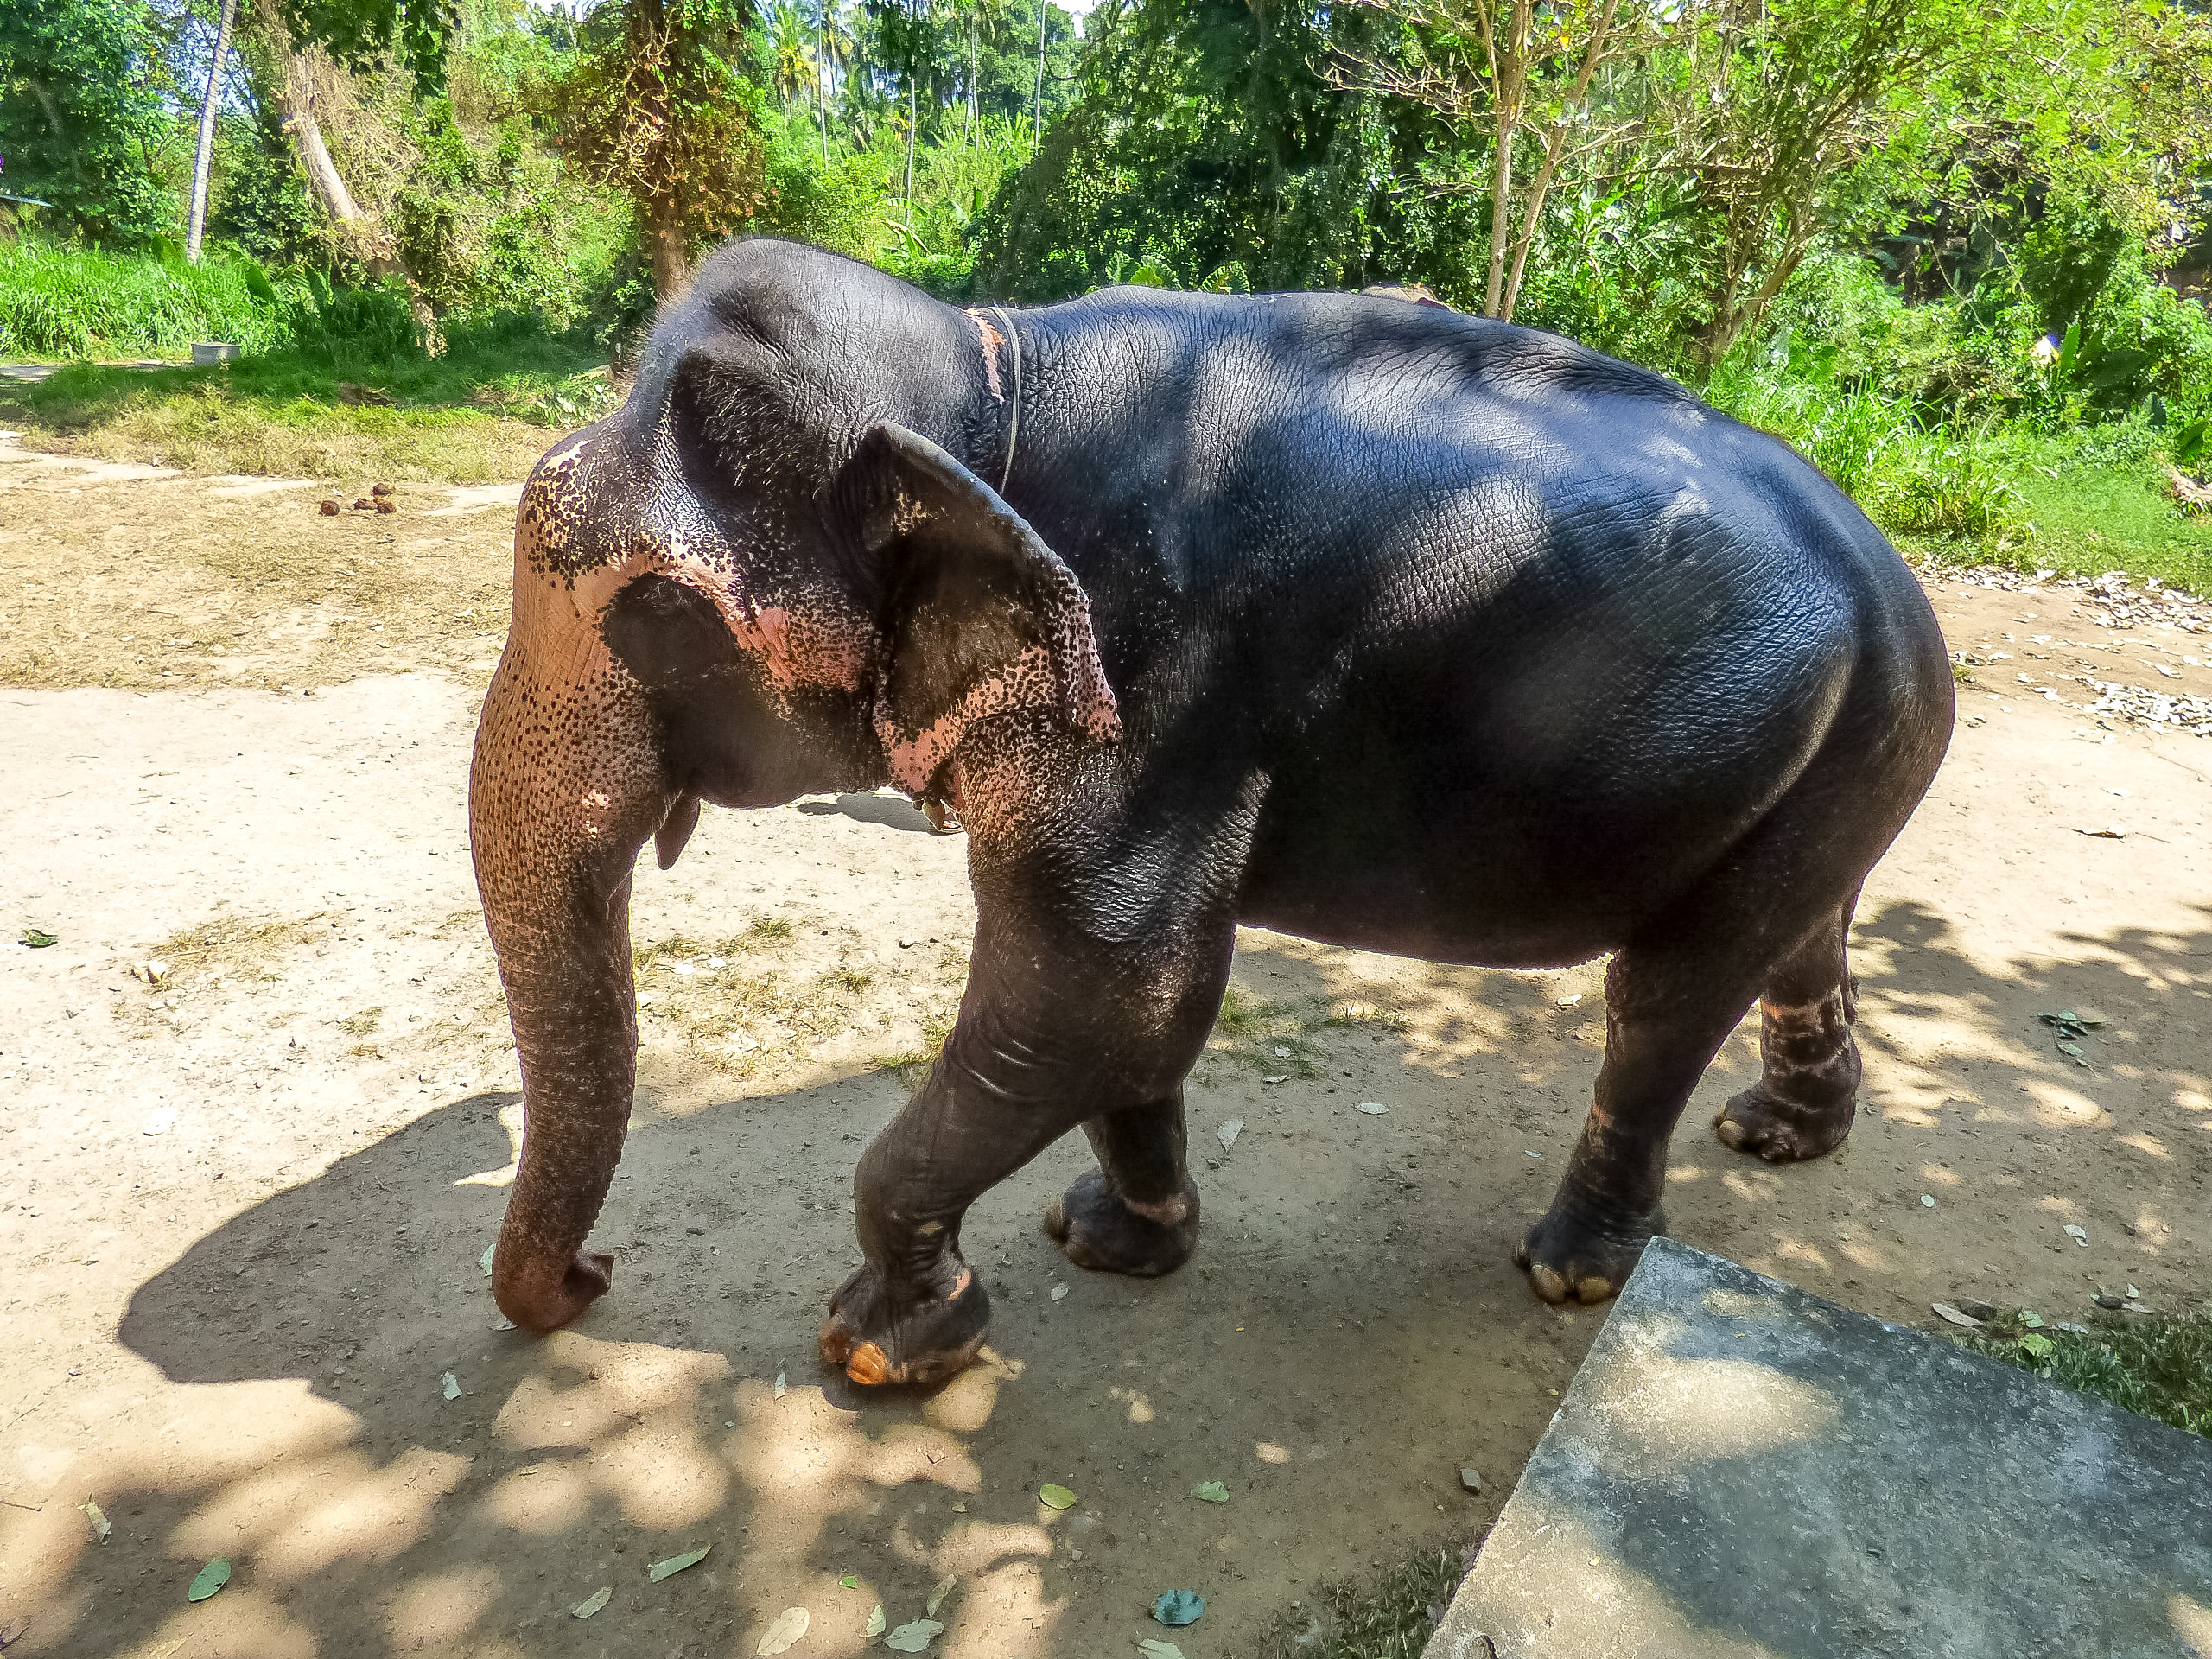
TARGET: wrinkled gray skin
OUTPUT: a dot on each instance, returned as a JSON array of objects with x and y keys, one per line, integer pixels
[{"x": 1359, "y": 620}]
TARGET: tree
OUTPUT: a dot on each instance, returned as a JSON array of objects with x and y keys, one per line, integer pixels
[
  {"x": 1514, "y": 67},
  {"x": 657, "y": 106},
  {"x": 204, "y": 155},
  {"x": 81, "y": 115},
  {"x": 791, "y": 67},
  {"x": 1793, "y": 117}
]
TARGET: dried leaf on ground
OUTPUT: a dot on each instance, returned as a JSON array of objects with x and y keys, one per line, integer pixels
[
  {"x": 101, "y": 1526},
  {"x": 1056, "y": 1497},
  {"x": 914, "y": 1638},
  {"x": 1179, "y": 1607},
  {"x": 876, "y": 1623},
  {"x": 1210, "y": 1491},
  {"x": 592, "y": 1603},
  {"x": 210, "y": 1579},
  {"x": 943, "y": 1588},
  {"x": 790, "y": 1625}
]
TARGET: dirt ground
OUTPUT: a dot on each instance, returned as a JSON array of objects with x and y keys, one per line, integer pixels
[{"x": 249, "y": 1202}]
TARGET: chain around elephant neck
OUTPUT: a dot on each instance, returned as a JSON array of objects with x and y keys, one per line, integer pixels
[{"x": 1013, "y": 423}]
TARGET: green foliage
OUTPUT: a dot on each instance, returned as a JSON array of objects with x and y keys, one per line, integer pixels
[
  {"x": 1390, "y": 1616},
  {"x": 2161, "y": 1367},
  {"x": 62, "y": 301},
  {"x": 261, "y": 204},
  {"x": 80, "y": 113}
]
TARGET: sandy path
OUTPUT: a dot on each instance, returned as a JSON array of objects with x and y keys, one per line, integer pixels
[{"x": 232, "y": 1335}]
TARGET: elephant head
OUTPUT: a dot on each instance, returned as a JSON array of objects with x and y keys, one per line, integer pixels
[{"x": 759, "y": 580}]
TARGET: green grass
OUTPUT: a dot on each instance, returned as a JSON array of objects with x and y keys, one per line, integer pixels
[
  {"x": 2158, "y": 1366},
  {"x": 68, "y": 303},
  {"x": 1279, "y": 1036},
  {"x": 1389, "y": 1615},
  {"x": 481, "y": 410}
]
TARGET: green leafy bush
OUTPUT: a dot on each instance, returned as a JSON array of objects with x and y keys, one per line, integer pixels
[{"x": 65, "y": 302}]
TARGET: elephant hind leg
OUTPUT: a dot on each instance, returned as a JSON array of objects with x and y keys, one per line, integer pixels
[
  {"x": 1138, "y": 1211},
  {"x": 1808, "y": 1092}
]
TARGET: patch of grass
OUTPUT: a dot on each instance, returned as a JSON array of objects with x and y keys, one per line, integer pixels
[
  {"x": 482, "y": 410},
  {"x": 2160, "y": 1366},
  {"x": 1278, "y": 1037},
  {"x": 233, "y": 947},
  {"x": 73, "y": 302},
  {"x": 770, "y": 929},
  {"x": 912, "y": 1066},
  {"x": 362, "y": 1023},
  {"x": 847, "y": 979},
  {"x": 681, "y": 948},
  {"x": 1389, "y": 1615}
]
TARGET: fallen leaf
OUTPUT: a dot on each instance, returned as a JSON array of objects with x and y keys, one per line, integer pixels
[
  {"x": 914, "y": 1638},
  {"x": 1282, "y": 1053},
  {"x": 1212, "y": 1491},
  {"x": 960, "y": 1508},
  {"x": 876, "y": 1623},
  {"x": 101, "y": 1528},
  {"x": 1945, "y": 1311},
  {"x": 851, "y": 1580},
  {"x": 38, "y": 938},
  {"x": 1059, "y": 1293},
  {"x": 1179, "y": 1607},
  {"x": 1284, "y": 1079},
  {"x": 2029, "y": 1318},
  {"x": 790, "y": 1625},
  {"x": 780, "y": 1385},
  {"x": 592, "y": 1603},
  {"x": 676, "y": 1564},
  {"x": 1373, "y": 1108},
  {"x": 503, "y": 1323},
  {"x": 2076, "y": 1234},
  {"x": 159, "y": 1122},
  {"x": 2036, "y": 1347},
  {"x": 453, "y": 1385},
  {"x": 2134, "y": 1307},
  {"x": 1056, "y": 1497},
  {"x": 943, "y": 1589},
  {"x": 1230, "y": 1131},
  {"x": 1569, "y": 1002},
  {"x": 1928, "y": 1200},
  {"x": 2111, "y": 832},
  {"x": 485, "y": 1260},
  {"x": 1152, "y": 1648},
  {"x": 210, "y": 1579}
]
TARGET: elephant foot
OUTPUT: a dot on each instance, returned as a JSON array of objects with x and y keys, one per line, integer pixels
[
  {"x": 879, "y": 1333},
  {"x": 1568, "y": 1259},
  {"x": 1101, "y": 1231},
  {"x": 539, "y": 1305},
  {"x": 1783, "y": 1132}
]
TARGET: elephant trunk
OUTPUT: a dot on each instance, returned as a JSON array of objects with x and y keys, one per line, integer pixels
[{"x": 566, "y": 786}]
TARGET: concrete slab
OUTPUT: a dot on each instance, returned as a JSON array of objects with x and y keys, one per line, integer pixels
[{"x": 1741, "y": 1470}]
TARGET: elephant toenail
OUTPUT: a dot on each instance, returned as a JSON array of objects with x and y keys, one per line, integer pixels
[
  {"x": 867, "y": 1366},
  {"x": 1056, "y": 1220},
  {"x": 1521, "y": 1255},
  {"x": 1548, "y": 1284},
  {"x": 1729, "y": 1134},
  {"x": 1593, "y": 1289}
]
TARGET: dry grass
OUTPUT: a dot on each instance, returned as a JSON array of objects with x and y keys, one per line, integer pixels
[
  {"x": 231, "y": 947},
  {"x": 202, "y": 431}
]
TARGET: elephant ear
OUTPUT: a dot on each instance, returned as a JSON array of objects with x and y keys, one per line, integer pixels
[{"x": 976, "y": 615}]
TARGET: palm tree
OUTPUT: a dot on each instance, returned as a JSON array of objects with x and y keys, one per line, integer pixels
[
  {"x": 790, "y": 51},
  {"x": 833, "y": 36}
]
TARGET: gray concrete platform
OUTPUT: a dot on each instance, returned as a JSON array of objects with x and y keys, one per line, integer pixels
[{"x": 1741, "y": 1470}]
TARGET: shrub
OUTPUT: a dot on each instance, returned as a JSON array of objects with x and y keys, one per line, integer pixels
[{"x": 65, "y": 301}]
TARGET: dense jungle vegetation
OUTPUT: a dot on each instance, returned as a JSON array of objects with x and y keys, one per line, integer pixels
[{"x": 1956, "y": 250}]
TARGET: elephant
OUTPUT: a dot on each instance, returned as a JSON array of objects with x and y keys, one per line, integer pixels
[{"x": 1378, "y": 623}]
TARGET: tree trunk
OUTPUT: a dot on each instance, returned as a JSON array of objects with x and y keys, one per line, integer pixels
[
  {"x": 670, "y": 248},
  {"x": 1037, "y": 104},
  {"x": 203, "y": 157},
  {"x": 1500, "y": 192},
  {"x": 909, "y": 227},
  {"x": 821, "y": 81},
  {"x": 322, "y": 173}
]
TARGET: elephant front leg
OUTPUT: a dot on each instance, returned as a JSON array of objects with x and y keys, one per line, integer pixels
[
  {"x": 916, "y": 1311},
  {"x": 1138, "y": 1211}
]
